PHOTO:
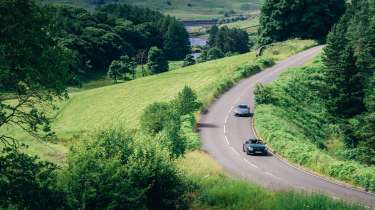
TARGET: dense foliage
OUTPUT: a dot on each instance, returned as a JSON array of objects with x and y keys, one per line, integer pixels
[
  {"x": 33, "y": 66},
  {"x": 27, "y": 183},
  {"x": 117, "y": 171},
  {"x": 124, "y": 68},
  {"x": 164, "y": 120},
  {"x": 349, "y": 60},
  {"x": 229, "y": 40},
  {"x": 285, "y": 19},
  {"x": 157, "y": 62},
  {"x": 223, "y": 42},
  {"x": 97, "y": 38}
]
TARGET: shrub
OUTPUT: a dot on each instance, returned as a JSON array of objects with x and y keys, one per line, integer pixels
[
  {"x": 248, "y": 69},
  {"x": 165, "y": 120},
  {"x": 188, "y": 131},
  {"x": 226, "y": 84},
  {"x": 117, "y": 171},
  {"x": 187, "y": 101},
  {"x": 154, "y": 117},
  {"x": 188, "y": 61},
  {"x": 265, "y": 62},
  {"x": 264, "y": 95},
  {"x": 214, "y": 53}
]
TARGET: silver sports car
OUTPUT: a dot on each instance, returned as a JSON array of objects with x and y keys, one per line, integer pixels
[{"x": 242, "y": 110}]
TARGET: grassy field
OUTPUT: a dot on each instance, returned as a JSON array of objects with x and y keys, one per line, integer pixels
[
  {"x": 250, "y": 25},
  {"x": 297, "y": 124},
  {"x": 215, "y": 190},
  {"x": 85, "y": 111},
  {"x": 191, "y": 9}
]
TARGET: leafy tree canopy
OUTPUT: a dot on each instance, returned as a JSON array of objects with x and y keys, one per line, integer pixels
[{"x": 285, "y": 19}]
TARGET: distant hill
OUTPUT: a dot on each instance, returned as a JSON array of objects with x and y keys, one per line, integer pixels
[{"x": 183, "y": 9}]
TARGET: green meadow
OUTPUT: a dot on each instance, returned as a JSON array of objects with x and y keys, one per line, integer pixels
[
  {"x": 88, "y": 110},
  {"x": 185, "y": 10}
]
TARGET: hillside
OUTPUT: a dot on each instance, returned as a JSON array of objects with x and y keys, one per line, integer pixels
[
  {"x": 88, "y": 110},
  {"x": 192, "y": 9},
  {"x": 296, "y": 123}
]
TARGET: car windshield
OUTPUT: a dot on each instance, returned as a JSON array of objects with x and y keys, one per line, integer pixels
[
  {"x": 242, "y": 106},
  {"x": 254, "y": 141}
]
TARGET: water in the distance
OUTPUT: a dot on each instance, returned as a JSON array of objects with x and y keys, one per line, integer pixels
[{"x": 195, "y": 41}]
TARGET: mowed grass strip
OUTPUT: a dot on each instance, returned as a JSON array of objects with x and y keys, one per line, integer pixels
[{"x": 89, "y": 110}]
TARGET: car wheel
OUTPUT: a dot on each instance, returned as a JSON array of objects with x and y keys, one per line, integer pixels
[{"x": 243, "y": 148}]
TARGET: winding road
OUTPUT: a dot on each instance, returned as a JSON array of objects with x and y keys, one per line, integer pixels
[{"x": 223, "y": 135}]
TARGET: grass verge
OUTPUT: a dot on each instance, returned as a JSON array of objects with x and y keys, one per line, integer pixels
[
  {"x": 296, "y": 125},
  {"x": 215, "y": 190}
]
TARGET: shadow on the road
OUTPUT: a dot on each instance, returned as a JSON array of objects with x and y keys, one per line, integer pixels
[
  {"x": 245, "y": 116},
  {"x": 261, "y": 155},
  {"x": 206, "y": 125}
]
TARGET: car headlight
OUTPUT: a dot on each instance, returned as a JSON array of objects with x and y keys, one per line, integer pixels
[{"x": 250, "y": 148}]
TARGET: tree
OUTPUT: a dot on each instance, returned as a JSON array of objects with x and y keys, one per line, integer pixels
[
  {"x": 284, "y": 19},
  {"x": 343, "y": 81},
  {"x": 188, "y": 61},
  {"x": 214, "y": 53},
  {"x": 154, "y": 117},
  {"x": 128, "y": 66},
  {"x": 157, "y": 62},
  {"x": 141, "y": 58},
  {"x": 115, "y": 70},
  {"x": 349, "y": 78},
  {"x": 229, "y": 40},
  {"x": 32, "y": 66},
  {"x": 176, "y": 42},
  {"x": 27, "y": 183},
  {"x": 187, "y": 101},
  {"x": 212, "y": 36}
]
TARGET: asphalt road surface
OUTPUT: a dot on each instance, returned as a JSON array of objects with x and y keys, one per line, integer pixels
[{"x": 223, "y": 136}]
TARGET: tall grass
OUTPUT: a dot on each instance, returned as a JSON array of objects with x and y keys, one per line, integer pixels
[{"x": 217, "y": 191}]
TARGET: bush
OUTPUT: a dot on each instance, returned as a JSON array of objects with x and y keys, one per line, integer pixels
[
  {"x": 248, "y": 70},
  {"x": 263, "y": 95},
  {"x": 187, "y": 101},
  {"x": 265, "y": 62},
  {"x": 214, "y": 53},
  {"x": 225, "y": 85},
  {"x": 154, "y": 117},
  {"x": 188, "y": 123},
  {"x": 188, "y": 61},
  {"x": 165, "y": 121},
  {"x": 117, "y": 171}
]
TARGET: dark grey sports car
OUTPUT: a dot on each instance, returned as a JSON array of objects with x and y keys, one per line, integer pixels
[
  {"x": 242, "y": 110},
  {"x": 255, "y": 146}
]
